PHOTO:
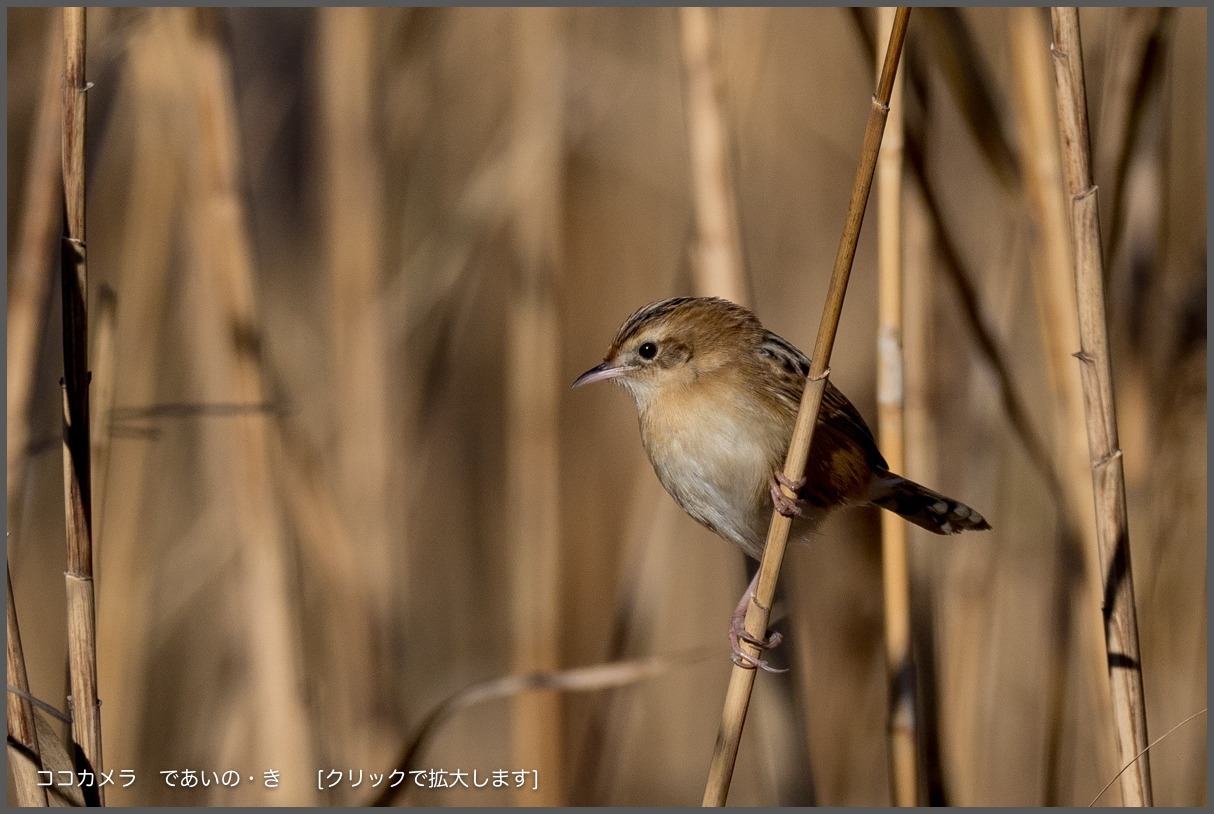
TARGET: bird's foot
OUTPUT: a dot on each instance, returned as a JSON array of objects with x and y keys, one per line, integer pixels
[
  {"x": 785, "y": 505},
  {"x": 739, "y": 634}
]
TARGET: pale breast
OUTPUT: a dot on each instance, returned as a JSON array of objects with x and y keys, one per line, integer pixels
[{"x": 716, "y": 464}]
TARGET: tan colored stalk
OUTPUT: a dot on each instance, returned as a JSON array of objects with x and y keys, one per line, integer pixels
[
  {"x": 155, "y": 90},
  {"x": 741, "y": 680},
  {"x": 1054, "y": 287},
  {"x": 22, "y": 730},
  {"x": 716, "y": 252},
  {"x": 718, "y": 269},
  {"x": 103, "y": 401},
  {"x": 533, "y": 397},
  {"x": 81, "y": 602},
  {"x": 222, "y": 248},
  {"x": 353, "y": 183},
  {"x": 891, "y": 395},
  {"x": 29, "y": 277},
  {"x": 1095, "y": 366}
]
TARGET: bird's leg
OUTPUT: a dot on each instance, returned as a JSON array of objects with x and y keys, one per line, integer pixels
[
  {"x": 785, "y": 505},
  {"x": 739, "y": 634}
]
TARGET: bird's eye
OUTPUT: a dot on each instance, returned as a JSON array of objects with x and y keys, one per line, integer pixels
[{"x": 647, "y": 350}]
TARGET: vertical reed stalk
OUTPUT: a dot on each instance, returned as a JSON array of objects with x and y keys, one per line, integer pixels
[
  {"x": 1057, "y": 308},
  {"x": 103, "y": 401},
  {"x": 81, "y": 607},
  {"x": 718, "y": 269},
  {"x": 222, "y": 248},
  {"x": 1108, "y": 475},
  {"x": 353, "y": 173},
  {"x": 533, "y": 361},
  {"x": 717, "y": 257},
  {"x": 352, "y": 169},
  {"x": 891, "y": 397},
  {"x": 741, "y": 680},
  {"x": 22, "y": 730},
  {"x": 155, "y": 90},
  {"x": 29, "y": 277}
]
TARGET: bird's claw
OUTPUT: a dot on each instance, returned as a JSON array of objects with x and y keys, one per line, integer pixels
[
  {"x": 739, "y": 634},
  {"x": 785, "y": 505}
]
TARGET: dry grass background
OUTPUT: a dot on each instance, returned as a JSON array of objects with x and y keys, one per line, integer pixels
[{"x": 357, "y": 256}]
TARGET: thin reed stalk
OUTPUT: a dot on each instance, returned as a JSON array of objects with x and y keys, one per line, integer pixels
[
  {"x": 29, "y": 275},
  {"x": 741, "y": 680},
  {"x": 275, "y": 709},
  {"x": 533, "y": 400},
  {"x": 81, "y": 602},
  {"x": 1057, "y": 310},
  {"x": 25, "y": 758},
  {"x": 718, "y": 269},
  {"x": 1095, "y": 365},
  {"x": 155, "y": 89},
  {"x": 103, "y": 401},
  {"x": 353, "y": 181},
  {"x": 717, "y": 259},
  {"x": 891, "y": 394}
]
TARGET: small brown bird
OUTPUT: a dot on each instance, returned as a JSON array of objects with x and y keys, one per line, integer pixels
[{"x": 717, "y": 397}]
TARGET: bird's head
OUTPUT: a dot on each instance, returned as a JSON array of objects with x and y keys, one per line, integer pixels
[{"x": 673, "y": 343}]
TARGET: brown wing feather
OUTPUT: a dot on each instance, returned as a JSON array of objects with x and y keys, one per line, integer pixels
[{"x": 843, "y": 454}]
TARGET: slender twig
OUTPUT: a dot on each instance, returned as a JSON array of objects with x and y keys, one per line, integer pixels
[
  {"x": 895, "y": 562},
  {"x": 717, "y": 258},
  {"x": 741, "y": 679},
  {"x": 81, "y": 606},
  {"x": 21, "y": 726},
  {"x": 575, "y": 679},
  {"x": 1139, "y": 756},
  {"x": 1108, "y": 475}
]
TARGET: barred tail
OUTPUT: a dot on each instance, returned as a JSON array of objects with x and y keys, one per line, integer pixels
[{"x": 925, "y": 508}]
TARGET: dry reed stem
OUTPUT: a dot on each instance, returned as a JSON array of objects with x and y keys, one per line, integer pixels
[
  {"x": 353, "y": 183},
  {"x": 718, "y": 269},
  {"x": 533, "y": 395},
  {"x": 81, "y": 603},
  {"x": 1057, "y": 309},
  {"x": 343, "y": 672},
  {"x": 955, "y": 271},
  {"x": 223, "y": 250},
  {"x": 741, "y": 680},
  {"x": 101, "y": 416},
  {"x": 29, "y": 277},
  {"x": 154, "y": 82},
  {"x": 891, "y": 396},
  {"x": 22, "y": 729},
  {"x": 1108, "y": 476},
  {"x": 717, "y": 258}
]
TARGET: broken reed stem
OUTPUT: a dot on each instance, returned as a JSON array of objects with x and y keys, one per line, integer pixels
[
  {"x": 81, "y": 611},
  {"x": 741, "y": 680},
  {"x": 22, "y": 730},
  {"x": 895, "y": 560},
  {"x": 717, "y": 260},
  {"x": 1108, "y": 475}
]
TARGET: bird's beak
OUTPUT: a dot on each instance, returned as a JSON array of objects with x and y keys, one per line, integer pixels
[{"x": 600, "y": 373}]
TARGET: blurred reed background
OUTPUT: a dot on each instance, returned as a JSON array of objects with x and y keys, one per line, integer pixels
[{"x": 345, "y": 264}]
